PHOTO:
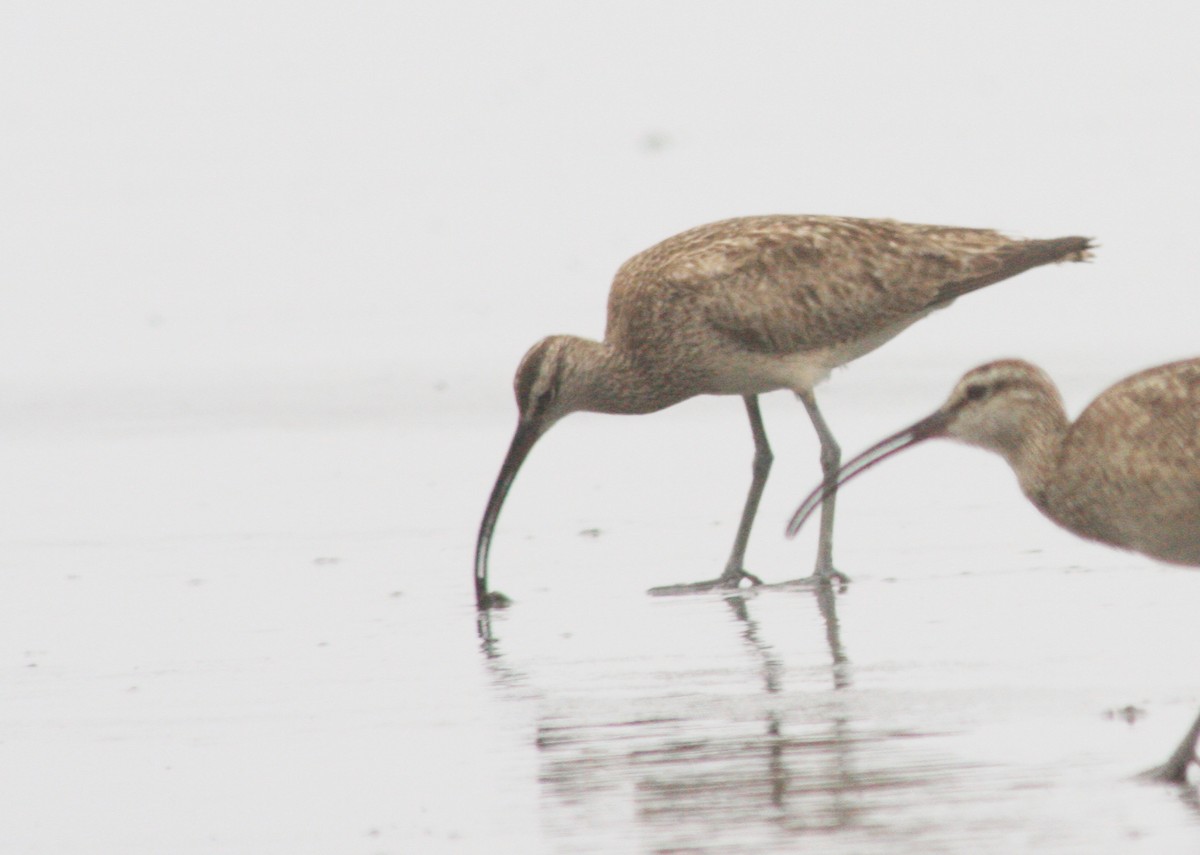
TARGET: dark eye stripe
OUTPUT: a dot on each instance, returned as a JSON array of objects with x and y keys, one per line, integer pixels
[{"x": 983, "y": 389}]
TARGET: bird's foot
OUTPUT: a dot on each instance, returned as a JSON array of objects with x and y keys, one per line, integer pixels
[
  {"x": 1174, "y": 771},
  {"x": 727, "y": 581},
  {"x": 493, "y": 600},
  {"x": 1168, "y": 773},
  {"x": 821, "y": 576}
]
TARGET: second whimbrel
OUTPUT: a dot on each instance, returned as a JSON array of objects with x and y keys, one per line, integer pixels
[
  {"x": 746, "y": 306},
  {"x": 1125, "y": 473}
]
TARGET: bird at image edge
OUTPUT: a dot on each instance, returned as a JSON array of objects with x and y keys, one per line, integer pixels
[
  {"x": 746, "y": 306},
  {"x": 1125, "y": 473}
]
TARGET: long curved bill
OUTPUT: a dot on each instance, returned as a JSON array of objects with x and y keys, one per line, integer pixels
[
  {"x": 928, "y": 427},
  {"x": 527, "y": 434}
]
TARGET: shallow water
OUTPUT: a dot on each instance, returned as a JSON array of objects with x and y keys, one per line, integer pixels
[
  {"x": 269, "y": 644},
  {"x": 774, "y": 720},
  {"x": 986, "y": 683},
  {"x": 765, "y": 736}
]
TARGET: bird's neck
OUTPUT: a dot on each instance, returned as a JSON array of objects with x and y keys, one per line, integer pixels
[
  {"x": 604, "y": 379},
  {"x": 1035, "y": 459}
]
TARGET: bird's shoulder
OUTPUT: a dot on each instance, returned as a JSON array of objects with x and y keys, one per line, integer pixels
[
  {"x": 1145, "y": 399},
  {"x": 1129, "y": 473},
  {"x": 1147, "y": 421}
]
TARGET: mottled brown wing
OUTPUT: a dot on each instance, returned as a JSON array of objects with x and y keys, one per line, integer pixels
[
  {"x": 785, "y": 284},
  {"x": 1148, "y": 425},
  {"x": 788, "y": 287},
  {"x": 1132, "y": 464}
]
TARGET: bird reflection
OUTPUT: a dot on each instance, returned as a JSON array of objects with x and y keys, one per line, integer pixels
[
  {"x": 772, "y": 668},
  {"x": 488, "y": 645},
  {"x": 826, "y": 604},
  {"x": 839, "y": 744},
  {"x": 504, "y": 676},
  {"x": 712, "y": 759}
]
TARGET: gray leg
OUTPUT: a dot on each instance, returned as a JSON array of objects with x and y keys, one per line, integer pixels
[
  {"x": 1174, "y": 771},
  {"x": 761, "y": 468},
  {"x": 831, "y": 458},
  {"x": 734, "y": 571}
]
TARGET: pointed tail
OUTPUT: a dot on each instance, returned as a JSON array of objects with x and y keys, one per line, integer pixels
[{"x": 1019, "y": 257}]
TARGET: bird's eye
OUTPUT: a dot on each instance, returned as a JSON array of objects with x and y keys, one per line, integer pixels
[{"x": 976, "y": 391}]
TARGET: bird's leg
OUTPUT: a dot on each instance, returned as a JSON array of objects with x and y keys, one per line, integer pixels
[
  {"x": 1174, "y": 771},
  {"x": 831, "y": 458},
  {"x": 734, "y": 571}
]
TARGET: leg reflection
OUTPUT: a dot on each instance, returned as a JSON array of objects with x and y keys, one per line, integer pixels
[
  {"x": 793, "y": 793},
  {"x": 703, "y": 743}
]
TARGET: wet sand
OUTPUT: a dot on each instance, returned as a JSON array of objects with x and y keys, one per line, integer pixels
[{"x": 269, "y": 644}]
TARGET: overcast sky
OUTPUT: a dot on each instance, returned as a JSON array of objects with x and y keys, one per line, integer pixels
[{"x": 220, "y": 191}]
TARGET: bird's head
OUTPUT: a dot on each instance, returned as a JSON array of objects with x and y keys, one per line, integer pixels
[
  {"x": 547, "y": 388},
  {"x": 545, "y": 384},
  {"x": 996, "y": 406}
]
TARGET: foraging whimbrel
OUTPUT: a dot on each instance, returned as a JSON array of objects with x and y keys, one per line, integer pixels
[
  {"x": 1125, "y": 473},
  {"x": 746, "y": 306}
]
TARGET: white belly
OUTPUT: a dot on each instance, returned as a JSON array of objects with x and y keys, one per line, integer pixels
[{"x": 749, "y": 373}]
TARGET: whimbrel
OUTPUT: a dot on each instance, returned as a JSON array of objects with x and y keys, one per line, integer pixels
[
  {"x": 1125, "y": 473},
  {"x": 746, "y": 306}
]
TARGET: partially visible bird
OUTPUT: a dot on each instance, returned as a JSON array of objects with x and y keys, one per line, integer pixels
[
  {"x": 1125, "y": 473},
  {"x": 751, "y": 305}
]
